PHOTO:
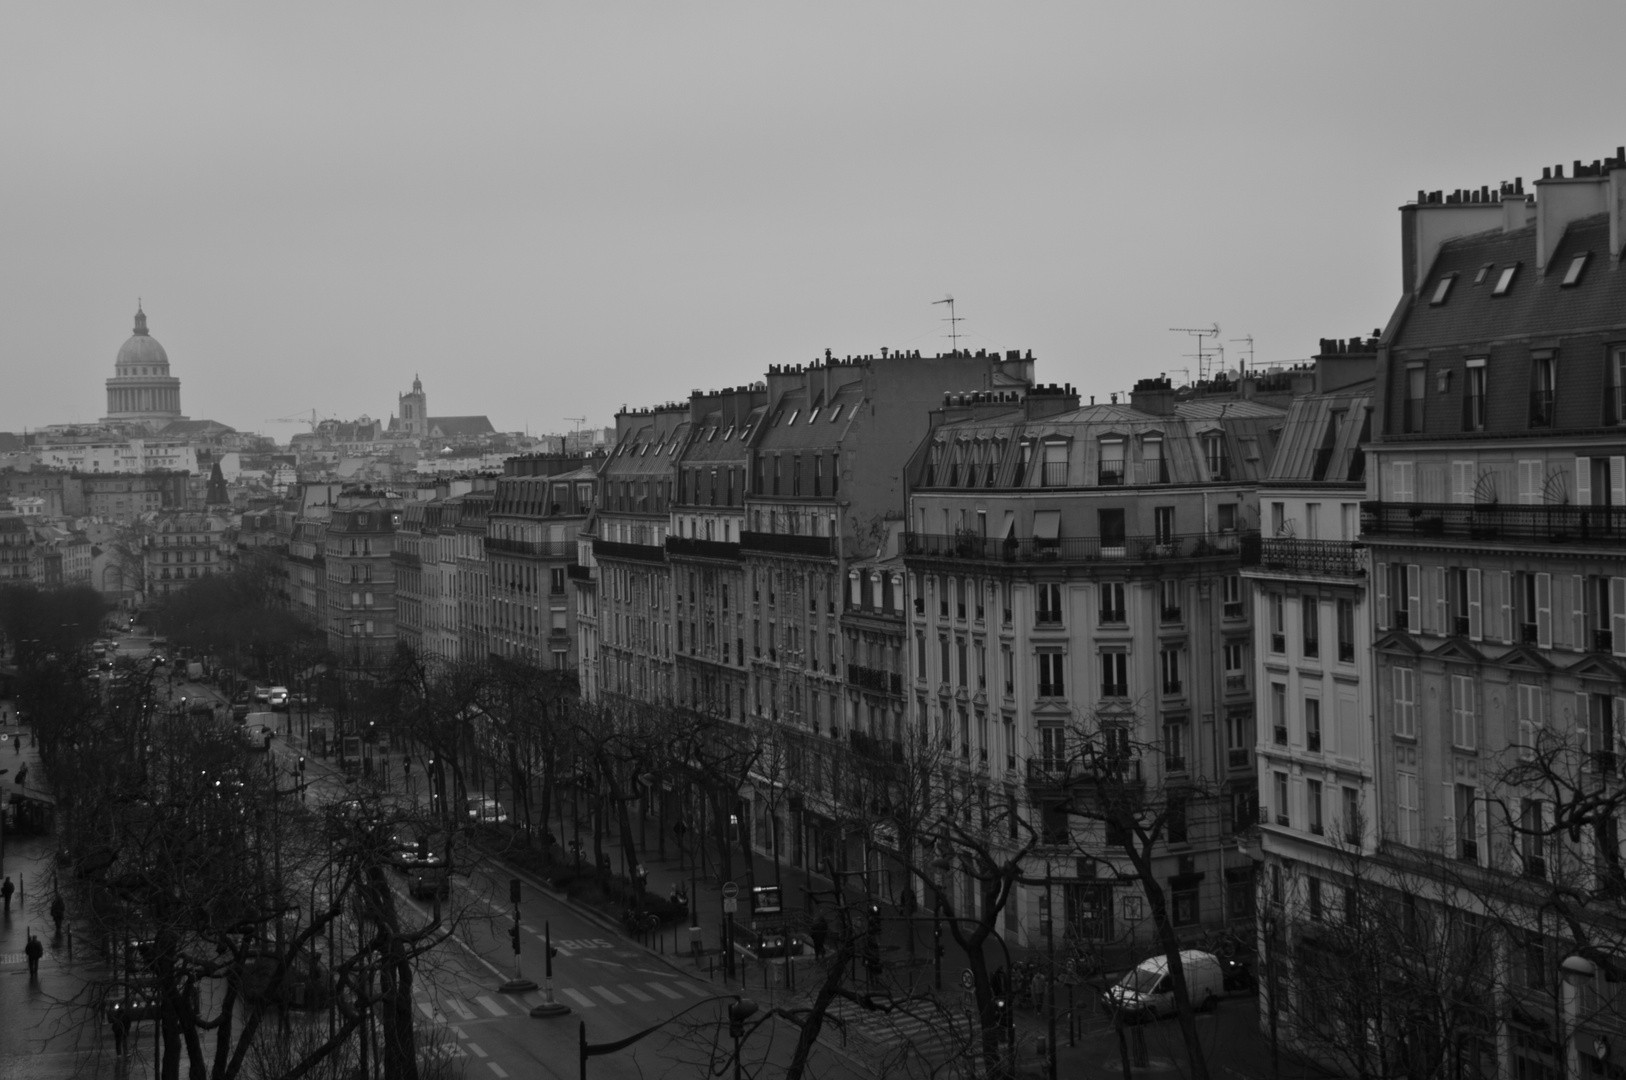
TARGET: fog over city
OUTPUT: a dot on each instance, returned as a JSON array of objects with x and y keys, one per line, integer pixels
[{"x": 552, "y": 210}]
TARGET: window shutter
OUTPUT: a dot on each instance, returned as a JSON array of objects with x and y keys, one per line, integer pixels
[
  {"x": 1462, "y": 481},
  {"x": 1448, "y": 815},
  {"x": 1544, "y": 611},
  {"x": 1476, "y": 612},
  {"x": 1583, "y": 481},
  {"x": 1414, "y": 605},
  {"x": 1617, "y": 481},
  {"x": 1620, "y": 726},
  {"x": 1617, "y": 614},
  {"x": 1583, "y": 713},
  {"x": 1507, "y": 606},
  {"x": 1383, "y": 596},
  {"x": 1578, "y": 636},
  {"x": 1529, "y": 482},
  {"x": 1481, "y": 832},
  {"x": 1442, "y": 612}
]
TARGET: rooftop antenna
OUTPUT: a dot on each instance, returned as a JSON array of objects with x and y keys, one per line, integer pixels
[
  {"x": 953, "y": 321},
  {"x": 1249, "y": 339},
  {"x": 1210, "y": 332}
]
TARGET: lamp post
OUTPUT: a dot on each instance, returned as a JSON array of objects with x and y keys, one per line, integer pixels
[{"x": 1577, "y": 971}]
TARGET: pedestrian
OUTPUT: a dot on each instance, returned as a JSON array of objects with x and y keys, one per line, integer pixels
[
  {"x": 58, "y": 909},
  {"x": 5, "y": 893},
  {"x": 22, "y": 776},
  {"x": 121, "y": 1027},
  {"x": 17, "y": 744},
  {"x": 33, "y": 950},
  {"x": 819, "y": 931}
]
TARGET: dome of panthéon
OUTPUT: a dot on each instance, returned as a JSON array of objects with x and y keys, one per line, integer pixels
[{"x": 142, "y": 350}]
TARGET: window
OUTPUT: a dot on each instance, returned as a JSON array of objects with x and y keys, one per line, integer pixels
[
  {"x": 1156, "y": 466},
  {"x": 1052, "y": 748},
  {"x": 1416, "y": 391},
  {"x": 1111, "y": 526},
  {"x": 1111, "y": 471},
  {"x": 1278, "y": 622},
  {"x": 1170, "y": 659},
  {"x": 1473, "y": 396},
  {"x": 1052, "y": 677},
  {"x": 1504, "y": 281},
  {"x": 1313, "y": 804},
  {"x": 1163, "y": 524},
  {"x": 1543, "y": 388},
  {"x": 1408, "y": 814},
  {"x": 1532, "y": 836},
  {"x": 1602, "y": 731},
  {"x": 1614, "y": 398},
  {"x": 1312, "y": 626},
  {"x": 1278, "y": 713},
  {"x": 1114, "y": 674},
  {"x": 1464, "y": 726},
  {"x": 1346, "y": 631},
  {"x": 1351, "y": 823},
  {"x": 1442, "y": 290},
  {"x": 1577, "y": 267},
  {"x": 1282, "y": 817},
  {"x": 1405, "y": 702},
  {"x": 1232, "y": 597},
  {"x": 1312, "y": 725},
  {"x": 1467, "y": 811},
  {"x": 1216, "y": 455},
  {"x": 1169, "y": 599},
  {"x": 1007, "y": 667},
  {"x": 1055, "y": 464},
  {"x": 1235, "y": 677},
  {"x": 1529, "y": 720},
  {"x": 1177, "y": 818},
  {"x": 1174, "y": 745},
  {"x": 1049, "y": 603},
  {"x": 1112, "y": 602},
  {"x": 1238, "y": 738}
]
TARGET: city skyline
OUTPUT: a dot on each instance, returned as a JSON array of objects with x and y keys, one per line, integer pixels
[{"x": 515, "y": 204}]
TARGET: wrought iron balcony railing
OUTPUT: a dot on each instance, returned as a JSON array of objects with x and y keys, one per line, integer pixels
[
  {"x": 1601, "y": 525},
  {"x": 548, "y": 549},
  {"x": 1337, "y": 558},
  {"x": 1031, "y": 549},
  {"x": 788, "y": 544}
]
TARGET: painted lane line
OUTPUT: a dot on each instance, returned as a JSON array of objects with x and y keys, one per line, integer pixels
[
  {"x": 498, "y": 1069},
  {"x": 608, "y": 995},
  {"x": 662, "y": 990},
  {"x": 491, "y": 1006},
  {"x": 647, "y": 971},
  {"x": 474, "y": 1048},
  {"x": 462, "y": 1010},
  {"x": 633, "y": 992},
  {"x": 579, "y": 998},
  {"x": 605, "y": 963}
]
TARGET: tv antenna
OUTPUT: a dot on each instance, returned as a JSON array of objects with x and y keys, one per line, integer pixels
[
  {"x": 953, "y": 320},
  {"x": 1209, "y": 332},
  {"x": 1249, "y": 341}
]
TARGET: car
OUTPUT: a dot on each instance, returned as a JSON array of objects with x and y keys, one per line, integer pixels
[
  {"x": 277, "y": 697},
  {"x": 1147, "y": 991},
  {"x": 256, "y": 737},
  {"x": 429, "y": 877},
  {"x": 262, "y": 694},
  {"x": 405, "y": 849},
  {"x": 485, "y": 810}
]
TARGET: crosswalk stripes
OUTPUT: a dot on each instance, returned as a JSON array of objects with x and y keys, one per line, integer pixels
[
  {"x": 579, "y": 998},
  {"x": 661, "y": 989},
  {"x": 491, "y": 1006},
  {"x": 602, "y": 995},
  {"x": 462, "y": 1010},
  {"x": 633, "y": 992},
  {"x": 608, "y": 995}
]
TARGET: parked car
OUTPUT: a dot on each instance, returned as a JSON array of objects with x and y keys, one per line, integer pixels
[
  {"x": 262, "y": 694},
  {"x": 486, "y": 810},
  {"x": 256, "y": 737},
  {"x": 1147, "y": 991},
  {"x": 429, "y": 877},
  {"x": 277, "y": 697}
]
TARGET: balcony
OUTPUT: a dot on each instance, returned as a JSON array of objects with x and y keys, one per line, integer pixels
[
  {"x": 1231, "y": 609},
  {"x": 1171, "y": 614},
  {"x": 578, "y": 572},
  {"x": 875, "y": 679},
  {"x": 1172, "y": 687},
  {"x": 1236, "y": 682},
  {"x": 615, "y": 549},
  {"x": 1086, "y": 549},
  {"x": 540, "y": 549},
  {"x": 789, "y": 544},
  {"x": 1329, "y": 558},
  {"x": 1597, "y": 525},
  {"x": 702, "y": 549},
  {"x": 1237, "y": 757},
  {"x": 1603, "y": 641}
]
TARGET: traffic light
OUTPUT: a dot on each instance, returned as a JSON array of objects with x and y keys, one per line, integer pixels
[
  {"x": 513, "y": 890},
  {"x": 301, "y": 762},
  {"x": 1002, "y": 1015}
]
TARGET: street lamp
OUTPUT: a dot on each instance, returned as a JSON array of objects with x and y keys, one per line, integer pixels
[{"x": 1577, "y": 971}]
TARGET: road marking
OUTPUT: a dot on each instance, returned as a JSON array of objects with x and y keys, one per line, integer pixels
[
  {"x": 579, "y": 998},
  {"x": 647, "y": 971},
  {"x": 498, "y": 1069},
  {"x": 474, "y": 1048},
  {"x": 427, "y": 1009},
  {"x": 659, "y": 989},
  {"x": 633, "y": 992},
  {"x": 491, "y": 1006},
  {"x": 607, "y": 995},
  {"x": 460, "y": 1009},
  {"x": 606, "y": 963},
  {"x": 693, "y": 989},
  {"x": 457, "y": 1029}
]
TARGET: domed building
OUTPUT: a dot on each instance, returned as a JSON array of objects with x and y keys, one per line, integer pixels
[{"x": 142, "y": 391}]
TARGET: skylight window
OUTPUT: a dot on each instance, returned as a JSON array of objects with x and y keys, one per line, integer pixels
[
  {"x": 835, "y": 413},
  {"x": 1479, "y": 278},
  {"x": 1505, "y": 282},
  {"x": 1442, "y": 289},
  {"x": 814, "y": 415},
  {"x": 794, "y": 413},
  {"x": 1577, "y": 265},
  {"x": 729, "y": 434}
]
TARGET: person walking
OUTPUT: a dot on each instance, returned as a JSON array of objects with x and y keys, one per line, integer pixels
[
  {"x": 5, "y": 893},
  {"x": 33, "y": 950},
  {"x": 121, "y": 1028},
  {"x": 58, "y": 910}
]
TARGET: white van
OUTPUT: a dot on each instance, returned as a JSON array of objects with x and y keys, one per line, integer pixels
[{"x": 1149, "y": 991}]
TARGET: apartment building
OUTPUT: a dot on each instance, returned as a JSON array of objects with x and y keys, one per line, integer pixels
[
  {"x": 637, "y": 628},
  {"x": 1497, "y": 526},
  {"x": 1074, "y": 572},
  {"x": 1310, "y": 585},
  {"x": 180, "y": 549},
  {"x": 357, "y": 557},
  {"x": 471, "y": 512},
  {"x": 540, "y": 506}
]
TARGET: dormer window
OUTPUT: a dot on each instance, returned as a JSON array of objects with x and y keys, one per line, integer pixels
[
  {"x": 1572, "y": 276},
  {"x": 1442, "y": 290},
  {"x": 1505, "y": 282},
  {"x": 1112, "y": 462},
  {"x": 1479, "y": 278}
]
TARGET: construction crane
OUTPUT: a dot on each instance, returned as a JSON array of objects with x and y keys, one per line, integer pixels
[
  {"x": 578, "y": 420},
  {"x": 295, "y": 418},
  {"x": 1209, "y": 332}
]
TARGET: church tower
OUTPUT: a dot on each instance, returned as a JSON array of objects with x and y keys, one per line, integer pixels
[{"x": 414, "y": 410}]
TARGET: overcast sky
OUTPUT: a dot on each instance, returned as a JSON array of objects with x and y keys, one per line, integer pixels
[{"x": 552, "y": 210}]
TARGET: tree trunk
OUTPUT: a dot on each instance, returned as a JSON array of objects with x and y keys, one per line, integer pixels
[{"x": 813, "y": 1023}]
